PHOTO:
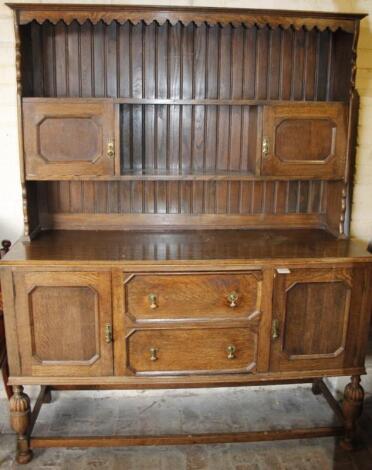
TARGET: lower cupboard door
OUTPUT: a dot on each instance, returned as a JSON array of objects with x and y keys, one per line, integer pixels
[
  {"x": 64, "y": 323},
  {"x": 185, "y": 351},
  {"x": 316, "y": 313}
]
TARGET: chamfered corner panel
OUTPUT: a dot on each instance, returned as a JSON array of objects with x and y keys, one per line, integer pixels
[
  {"x": 84, "y": 142},
  {"x": 308, "y": 140},
  {"x": 63, "y": 318},
  {"x": 312, "y": 311},
  {"x": 316, "y": 319},
  {"x": 66, "y": 139},
  {"x": 64, "y": 324},
  {"x": 311, "y": 140}
]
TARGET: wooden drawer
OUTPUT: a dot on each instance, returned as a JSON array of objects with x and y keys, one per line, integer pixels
[
  {"x": 205, "y": 350},
  {"x": 192, "y": 296}
]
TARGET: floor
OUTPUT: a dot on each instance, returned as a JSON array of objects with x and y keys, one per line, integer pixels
[{"x": 181, "y": 411}]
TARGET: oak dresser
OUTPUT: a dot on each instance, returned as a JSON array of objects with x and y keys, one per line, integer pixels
[{"x": 187, "y": 181}]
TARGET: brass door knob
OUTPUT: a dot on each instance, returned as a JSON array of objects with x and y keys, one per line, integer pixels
[
  {"x": 233, "y": 299},
  {"x": 153, "y": 354},
  {"x": 231, "y": 350},
  {"x": 153, "y": 301}
]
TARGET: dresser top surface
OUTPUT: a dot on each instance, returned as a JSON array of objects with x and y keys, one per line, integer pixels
[{"x": 107, "y": 247}]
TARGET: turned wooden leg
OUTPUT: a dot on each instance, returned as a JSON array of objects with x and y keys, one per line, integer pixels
[
  {"x": 315, "y": 388},
  {"x": 352, "y": 408},
  {"x": 20, "y": 413}
]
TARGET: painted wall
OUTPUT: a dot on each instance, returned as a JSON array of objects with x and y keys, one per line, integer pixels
[{"x": 11, "y": 220}]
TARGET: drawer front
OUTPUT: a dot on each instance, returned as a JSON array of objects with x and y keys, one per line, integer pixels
[
  {"x": 182, "y": 351},
  {"x": 192, "y": 296}
]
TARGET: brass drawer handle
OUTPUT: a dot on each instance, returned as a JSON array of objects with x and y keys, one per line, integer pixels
[
  {"x": 275, "y": 333},
  {"x": 152, "y": 300},
  {"x": 265, "y": 146},
  {"x": 233, "y": 299},
  {"x": 108, "y": 333},
  {"x": 154, "y": 354},
  {"x": 231, "y": 350},
  {"x": 110, "y": 149}
]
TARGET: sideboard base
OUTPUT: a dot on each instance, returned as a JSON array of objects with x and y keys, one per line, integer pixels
[{"x": 23, "y": 421}]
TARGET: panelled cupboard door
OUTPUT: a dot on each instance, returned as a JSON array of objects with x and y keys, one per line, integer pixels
[
  {"x": 305, "y": 140},
  {"x": 64, "y": 322},
  {"x": 319, "y": 316},
  {"x": 63, "y": 139}
]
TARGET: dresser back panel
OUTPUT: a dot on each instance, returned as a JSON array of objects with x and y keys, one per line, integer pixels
[
  {"x": 190, "y": 138},
  {"x": 216, "y": 203},
  {"x": 224, "y": 119},
  {"x": 177, "y": 61}
]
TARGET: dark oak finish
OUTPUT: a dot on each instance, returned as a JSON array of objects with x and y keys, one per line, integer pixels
[
  {"x": 190, "y": 95},
  {"x": 186, "y": 177},
  {"x": 305, "y": 140},
  {"x": 183, "y": 249}
]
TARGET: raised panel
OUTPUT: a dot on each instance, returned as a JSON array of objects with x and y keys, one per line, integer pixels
[
  {"x": 305, "y": 140},
  {"x": 205, "y": 350},
  {"x": 317, "y": 136},
  {"x": 193, "y": 296},
  {"x": 61, "y": 317},
  {"x": 64, "y": 324},
  {"x": 312, "y": 311},
  {"x": 316, "y": 319},
  {"x": 68, "y": 139}
]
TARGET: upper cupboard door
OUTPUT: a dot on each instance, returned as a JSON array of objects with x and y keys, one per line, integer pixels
[
  {"x": 305, "y": 140},
  {"x": 66, "y": 139},
  {"x": 64, "y": 320}
]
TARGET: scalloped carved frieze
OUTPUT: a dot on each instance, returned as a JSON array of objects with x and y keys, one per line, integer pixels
[{"x": 187, "y": 17}]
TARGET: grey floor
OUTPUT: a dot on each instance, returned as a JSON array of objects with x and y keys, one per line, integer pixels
[{"x": 182, "y": 411}]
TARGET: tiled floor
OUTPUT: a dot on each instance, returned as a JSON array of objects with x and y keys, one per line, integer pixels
[{"x": 183, "y": 411}]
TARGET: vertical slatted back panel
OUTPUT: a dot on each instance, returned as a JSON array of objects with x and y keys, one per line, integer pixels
[
  {"x": 188, "y": 138},
  {"x": 176, "y": 61},
  {"x": 186, "y": 197},
  {"x": 189, "y": 204}
]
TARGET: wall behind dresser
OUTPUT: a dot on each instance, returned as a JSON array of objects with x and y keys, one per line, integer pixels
[{"x": 11, "y": 219}]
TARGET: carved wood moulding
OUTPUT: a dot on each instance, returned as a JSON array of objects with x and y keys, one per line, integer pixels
[{"x": 210, "y": 16}]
